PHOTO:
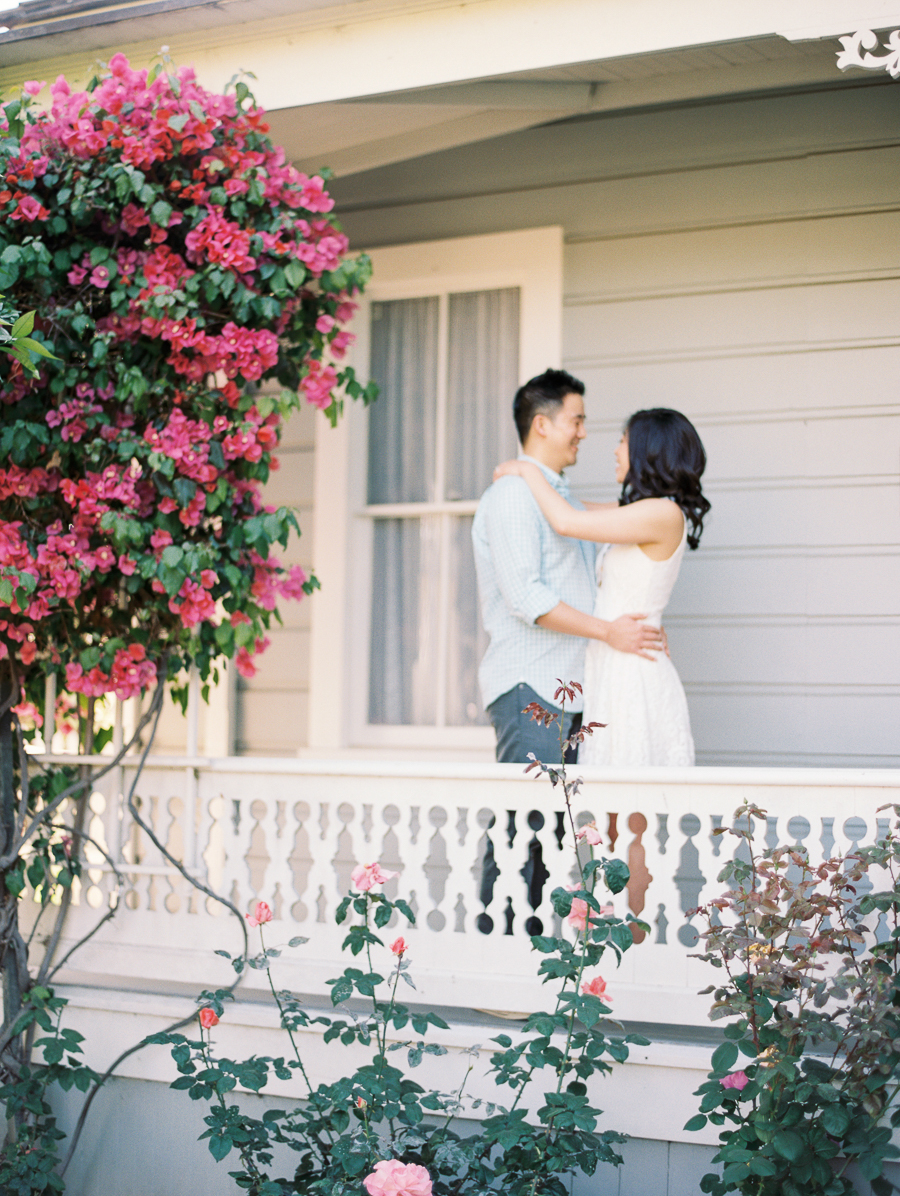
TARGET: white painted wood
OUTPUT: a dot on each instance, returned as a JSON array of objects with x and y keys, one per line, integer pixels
[
  {"x": 530, "y": 260},
  {"x": 291, "y": 832},
  {"x": 388, "y": 47}
]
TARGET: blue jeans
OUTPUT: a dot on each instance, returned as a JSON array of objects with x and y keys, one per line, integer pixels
[{"x": 517, "y": 734}]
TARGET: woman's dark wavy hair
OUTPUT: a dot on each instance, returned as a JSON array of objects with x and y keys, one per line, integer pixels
[{"x": 666, "y": 459}]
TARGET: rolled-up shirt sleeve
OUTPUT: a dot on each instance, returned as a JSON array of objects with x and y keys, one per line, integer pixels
[{"x": 513, "y": 528}]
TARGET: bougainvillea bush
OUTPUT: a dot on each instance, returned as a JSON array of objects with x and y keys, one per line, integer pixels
[{"x": 176, "y": 261}]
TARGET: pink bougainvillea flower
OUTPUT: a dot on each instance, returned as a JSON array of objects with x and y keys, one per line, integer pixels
[
  {"x": 596, "y": 988},
  {"x": 737, "y": 1080},
  {"x": 399, "y": 946},
  {"x": 29, "y": 714},
  {"x": 30, "y": 209},
  {"x": 590, "y": 834},
  {"x": 260, "y": 915},
  {"x": 184, "y": 467},
  {"x": 393, "y": 1178},
  {"x": 366, "y": 876},
  {"x": 208, "y": 1018}
]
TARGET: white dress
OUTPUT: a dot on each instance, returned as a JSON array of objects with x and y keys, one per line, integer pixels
[{"x": 641, "y": 701}]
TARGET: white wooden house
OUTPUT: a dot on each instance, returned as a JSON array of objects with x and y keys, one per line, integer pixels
[{"x": 685, "y": 204}]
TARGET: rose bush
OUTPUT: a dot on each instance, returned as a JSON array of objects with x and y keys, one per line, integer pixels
[
  {"x": 376, "y": 1128},
  {"x": 811, "y": 991}
]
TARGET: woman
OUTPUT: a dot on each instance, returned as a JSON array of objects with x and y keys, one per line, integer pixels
[{"x": 659, "y": 461}]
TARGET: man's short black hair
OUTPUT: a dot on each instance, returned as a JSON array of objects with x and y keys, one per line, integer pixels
[{"x": 543, "y": 395}]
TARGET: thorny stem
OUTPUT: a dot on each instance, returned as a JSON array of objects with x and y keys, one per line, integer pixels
[
  {"x": 281, "y": 1014},
  {"x": 205, "y": 1047}
]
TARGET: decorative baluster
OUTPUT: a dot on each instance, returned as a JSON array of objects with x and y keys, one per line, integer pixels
[
  {"x": 95, "y": 828},
  {"x": 257, "y": 856},
  {"x": 437, "y": 869},
  {"x": 662, "y": 832},
  {"x": 213, "y": 854},
  {"x": 485, "y": 871},
  {"x": 300, "y": 861},
  {"x": 715, "y": 821},
  {"x": 174, "y": 842},
  {"x": 827, "y": 837},
  {"x": 661, "y": 922},
  {"x": 639, "y": 875},
  {"x": 321, "y": 883},
  {"x": 855, "y": 829},
  {"x": 689, "y": 880},
  {"x": 344, "y": 860},
  {"x": 882, "y": 929},
  {"x": 460, "y": 871},
  {"x": 535, "y": 874},
  {"x": 389, "y": 855}
]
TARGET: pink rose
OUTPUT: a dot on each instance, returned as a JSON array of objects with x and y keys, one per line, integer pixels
[
  {"x": 737, "y": 1080},
  {"x": 366, "y": 876},
  {"x": 596, "y": 988},
  {"x": 578, "y": 915},
  {"x": 208, "y": 1018},
  {"x": 590, "y": 834},
  {"x": 399, "y": 946},
  {"x": 393, "y": 1178},
  {"x": 260, "y": 915}
]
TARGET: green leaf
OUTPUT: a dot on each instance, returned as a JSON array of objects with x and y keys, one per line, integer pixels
[
  {"x": 697, "y": 1122},
  {"x": 617, "y": 874},
  {"x": 724, "y": 1057},
  {"x": 33, "y": 346},
  {"x": 835, "y": 1120},
  {"x": 161, "y": 212},
  {"x": 219, "y": 1147},
  {"x": 341, "y": 990},
  {"x": 561, "y": 900},
  {"x": 23, "y": 326},
  {"x": 788, "y": 1145}
]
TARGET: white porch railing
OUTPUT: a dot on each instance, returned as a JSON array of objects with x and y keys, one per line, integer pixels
[{"x": 478, "y": 849}]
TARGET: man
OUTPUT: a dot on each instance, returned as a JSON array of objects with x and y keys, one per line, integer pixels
[{"x": 537, "y": 589}]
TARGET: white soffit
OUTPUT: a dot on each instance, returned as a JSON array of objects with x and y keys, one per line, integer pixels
[
  {"x": 318, "y": 51},
  {"x": 368, "y": 132}
]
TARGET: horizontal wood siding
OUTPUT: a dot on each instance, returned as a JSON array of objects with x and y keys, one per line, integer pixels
[
  {"x": 737, "y": 261},
  {"x": 271, "y": 714}
]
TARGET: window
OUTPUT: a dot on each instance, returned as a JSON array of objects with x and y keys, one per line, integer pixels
[
  {"x": 444, "y": 331},
  {"x": 446, "y": 366}
]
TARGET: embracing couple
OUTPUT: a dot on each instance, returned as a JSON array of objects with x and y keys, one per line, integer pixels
[{"x": 557, "y": 608}]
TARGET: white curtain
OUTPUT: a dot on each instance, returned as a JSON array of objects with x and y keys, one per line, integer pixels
[
  {"x": 482, "y": 376},
  {"x": 402, "y": 421},
  {"x": 482, "y": 366}
]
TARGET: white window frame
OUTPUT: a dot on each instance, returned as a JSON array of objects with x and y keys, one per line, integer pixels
[{"x": 531, "y": 260}]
